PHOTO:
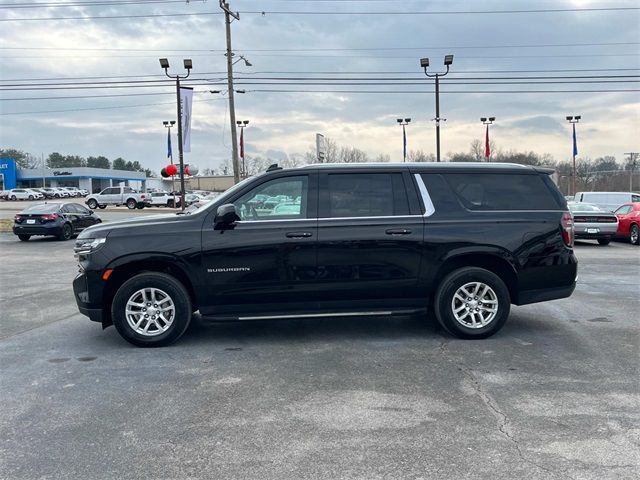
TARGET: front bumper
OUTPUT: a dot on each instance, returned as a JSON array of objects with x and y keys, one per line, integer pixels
[{"x": 83, "y": 299}]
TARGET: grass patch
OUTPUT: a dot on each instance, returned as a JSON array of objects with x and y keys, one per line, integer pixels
[{"x": 5, "y": 225}]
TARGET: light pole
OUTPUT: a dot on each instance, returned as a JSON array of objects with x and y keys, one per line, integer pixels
[
  {"x": 242, "y": 124},
  {"x": 424, "y": 63},
  {"x": 573, "y": 120},
  {"x": 188, "y": 65},
  {"x": 404, "y": 136},
  {"x": 487, "y": 146},
  {"x": 168, "y": 124}
]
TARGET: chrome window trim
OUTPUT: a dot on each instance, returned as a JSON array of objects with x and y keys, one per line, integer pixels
[
  {"x": 385, "y": 217},
  {"x": 426, "y": 199}
]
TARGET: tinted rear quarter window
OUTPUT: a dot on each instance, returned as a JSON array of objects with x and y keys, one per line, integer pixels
[
  {"x": 365, "y": 195},
  {"x": 492, "y": 191}
]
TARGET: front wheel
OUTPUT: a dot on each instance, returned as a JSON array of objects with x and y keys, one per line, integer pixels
[
  {"x": 472, "y": 303},
  {"x": 24, "y": 238},
  {"x": 604, "y": 241},
  {"x": 13, "y": 198},
  {"x": 30, "y": 197},
  {"x": 151, "y": 310},
  {"x": 131, "y": 204},
  {"x": 92, "y": 204},
  {"x": 634, "y": 235}
]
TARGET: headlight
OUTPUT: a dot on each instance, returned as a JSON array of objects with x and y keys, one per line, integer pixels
[{"x": 85, "y": 246}]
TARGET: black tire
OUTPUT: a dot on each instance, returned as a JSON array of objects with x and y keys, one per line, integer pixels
[
  {"x": 166, "y": 283},
  {"x": 444, "y": 298},
  {"x": 634, "y": 234},
  {"x": 131, "y": 204},
  {"x": 604, "y": 241},
  {"x": 30, "y": 197},
  {"x": 92, "y": 203},
  {"x": 24, "y": 238},
  {"x": 13, "y": 198},
  {"x": 140, "y": 206},
  {"x": 171, "y": 204},
  {"x": 67, "y": 232},
  {"x": 102, "y": 207}
]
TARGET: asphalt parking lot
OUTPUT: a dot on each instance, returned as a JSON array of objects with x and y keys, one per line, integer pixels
[{"x": 554, "y": 395}]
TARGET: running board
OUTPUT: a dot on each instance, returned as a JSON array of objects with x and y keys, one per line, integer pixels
[{"x": 316, "y": 315}]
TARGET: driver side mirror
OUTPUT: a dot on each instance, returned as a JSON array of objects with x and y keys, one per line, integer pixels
[{"x": 226, "y": 215}]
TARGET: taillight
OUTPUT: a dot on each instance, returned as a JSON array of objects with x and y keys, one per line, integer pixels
[
  {"x": 567, "y": 229},
  {"x": 18, "y": 218},
  {"x": 49, "y": 216}
]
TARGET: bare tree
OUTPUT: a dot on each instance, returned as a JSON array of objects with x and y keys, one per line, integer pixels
[{"x": 420, "y": 156}]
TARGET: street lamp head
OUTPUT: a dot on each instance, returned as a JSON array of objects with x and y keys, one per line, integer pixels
[
  {"x": 165, "y": 123},
  {"x": 188, "y": 64},
  {"x": 448, "y": 60},
  {"x": 164, "y": 63},
  {"x": 407, "y": 120},
  {"x": 246, "y": 122},
  {"x": 483, "y": 119},
  {"x": 247, "y": 62},
  {"x": 241, "y": 91},
  {"x": 238, "y": 122},
  {"x": 578, "y": 117},
  {"x": 569, "y": 117},
  {"x": 214, "y": 91},
  {"x": 491, "y": 119},
  {"x": 424, "y": 62},
  {"x": 399, "y": 120},
  {"x": 172, "y": 122}
]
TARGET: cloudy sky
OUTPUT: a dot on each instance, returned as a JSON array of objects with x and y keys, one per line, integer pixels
[{"x": 321, "y": 57}]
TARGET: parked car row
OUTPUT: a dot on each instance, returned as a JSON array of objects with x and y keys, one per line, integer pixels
[
  {"x": 62, "y": 220},
  {"x": 44, "y": 192}
]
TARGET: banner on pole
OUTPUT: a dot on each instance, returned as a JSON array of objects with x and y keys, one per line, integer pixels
[{"x": 186, "y": 101}]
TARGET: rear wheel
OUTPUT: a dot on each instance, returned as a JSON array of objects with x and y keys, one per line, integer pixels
[
  {"x": 13, "y": 197},
  {"x": 151, "y": 310},
  {"x": 67, "y": 232},
  {"x": 472, "y": 303},
  {"x": 604, "y": 241},
  {"x": 102, "y": 207},
  {"x": 140, "y": 206},
  {"x": 24, "y": 238},
  {"x": 30, "y": 197},
  {"x": 634, "y": 235},
  {"x": 171, "y": 204},
  {"x": 131, "y": 204},
  {"x": 92, "y": 204}
]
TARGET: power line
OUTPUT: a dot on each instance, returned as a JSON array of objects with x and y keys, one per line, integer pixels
[
  {"x": 327, "y": 13},
  {"x": 341, "y": 49},
  {"x": 90, "y": 4}
]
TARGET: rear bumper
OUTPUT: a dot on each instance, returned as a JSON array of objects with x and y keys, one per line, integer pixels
[
  {"x": 51, "y": 229},
  {"x": 595, "y": 230},
  {"x": 544, "y": 294}
]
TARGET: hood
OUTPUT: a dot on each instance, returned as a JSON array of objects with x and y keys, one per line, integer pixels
[{"x": 148, "y": 224}]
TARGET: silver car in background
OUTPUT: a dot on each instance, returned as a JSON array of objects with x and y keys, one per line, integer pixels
[{"x": 593, "y": 223}]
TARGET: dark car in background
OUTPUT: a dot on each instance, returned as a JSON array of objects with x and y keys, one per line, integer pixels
[
  {"x": 61, "y": 220},
  {"x": 593, "y": 223}
]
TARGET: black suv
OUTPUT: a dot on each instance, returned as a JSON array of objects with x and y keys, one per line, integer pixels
[{"x": 464, "y": 240}]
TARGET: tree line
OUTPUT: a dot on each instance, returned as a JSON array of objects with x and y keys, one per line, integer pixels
[{"x": 57, "y": 160}]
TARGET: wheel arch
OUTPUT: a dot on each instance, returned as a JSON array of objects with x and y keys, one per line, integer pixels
[
  {"x": 502, "y": 267},
  {"x": 126, "y": 268}
]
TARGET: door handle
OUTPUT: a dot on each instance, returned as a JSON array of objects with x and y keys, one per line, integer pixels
[
  {"x": 398, "y": 231},
  {"x": 299, "y": 234}
]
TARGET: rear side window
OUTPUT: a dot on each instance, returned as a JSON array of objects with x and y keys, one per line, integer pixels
[
  {"x": 365, "y": 195},
  {"x": 490, "y": 191},
  {"x": 635, "y": 198},
  {"x": 618, "y": 198}
]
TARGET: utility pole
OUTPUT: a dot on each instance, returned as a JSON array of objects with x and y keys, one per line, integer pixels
[
  {"x": 232, "y": 109},
  {"x": 632, "y": 167}
]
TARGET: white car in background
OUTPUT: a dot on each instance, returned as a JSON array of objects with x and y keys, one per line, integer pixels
[
  {"x": 23, "y": 194},
  {"x": 164, "y": 199},
  {"x": 62, "y": 193}
]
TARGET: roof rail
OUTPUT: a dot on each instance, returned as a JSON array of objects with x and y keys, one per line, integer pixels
[{"x": 273, "y": 167}]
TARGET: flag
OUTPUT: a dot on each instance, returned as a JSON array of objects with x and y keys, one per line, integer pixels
[
  {"x": 575, "y": 141},
  {"x": 169, "y": 154},
  {"x": 404, "y": 143},
  {"x": 186, "y": 99},
  {"x": 487, "y": 147},
  {"x": 242, "y": 143}
]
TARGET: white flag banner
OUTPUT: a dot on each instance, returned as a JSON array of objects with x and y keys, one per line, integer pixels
[{"x": 186, "y": 101}]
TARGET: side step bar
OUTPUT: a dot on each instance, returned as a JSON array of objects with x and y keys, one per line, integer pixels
[{"x": 314, "y": 315}]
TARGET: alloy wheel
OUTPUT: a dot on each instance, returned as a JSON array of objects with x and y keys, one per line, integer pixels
[
  {"x": 474, "y": 305},
  {"x": 150, "y": 312}
]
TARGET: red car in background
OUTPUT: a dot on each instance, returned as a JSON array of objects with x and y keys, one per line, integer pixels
[{"x": 629, "y": 222}]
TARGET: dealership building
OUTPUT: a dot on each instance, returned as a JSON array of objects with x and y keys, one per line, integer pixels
[{"x": 91, "y": 179}]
